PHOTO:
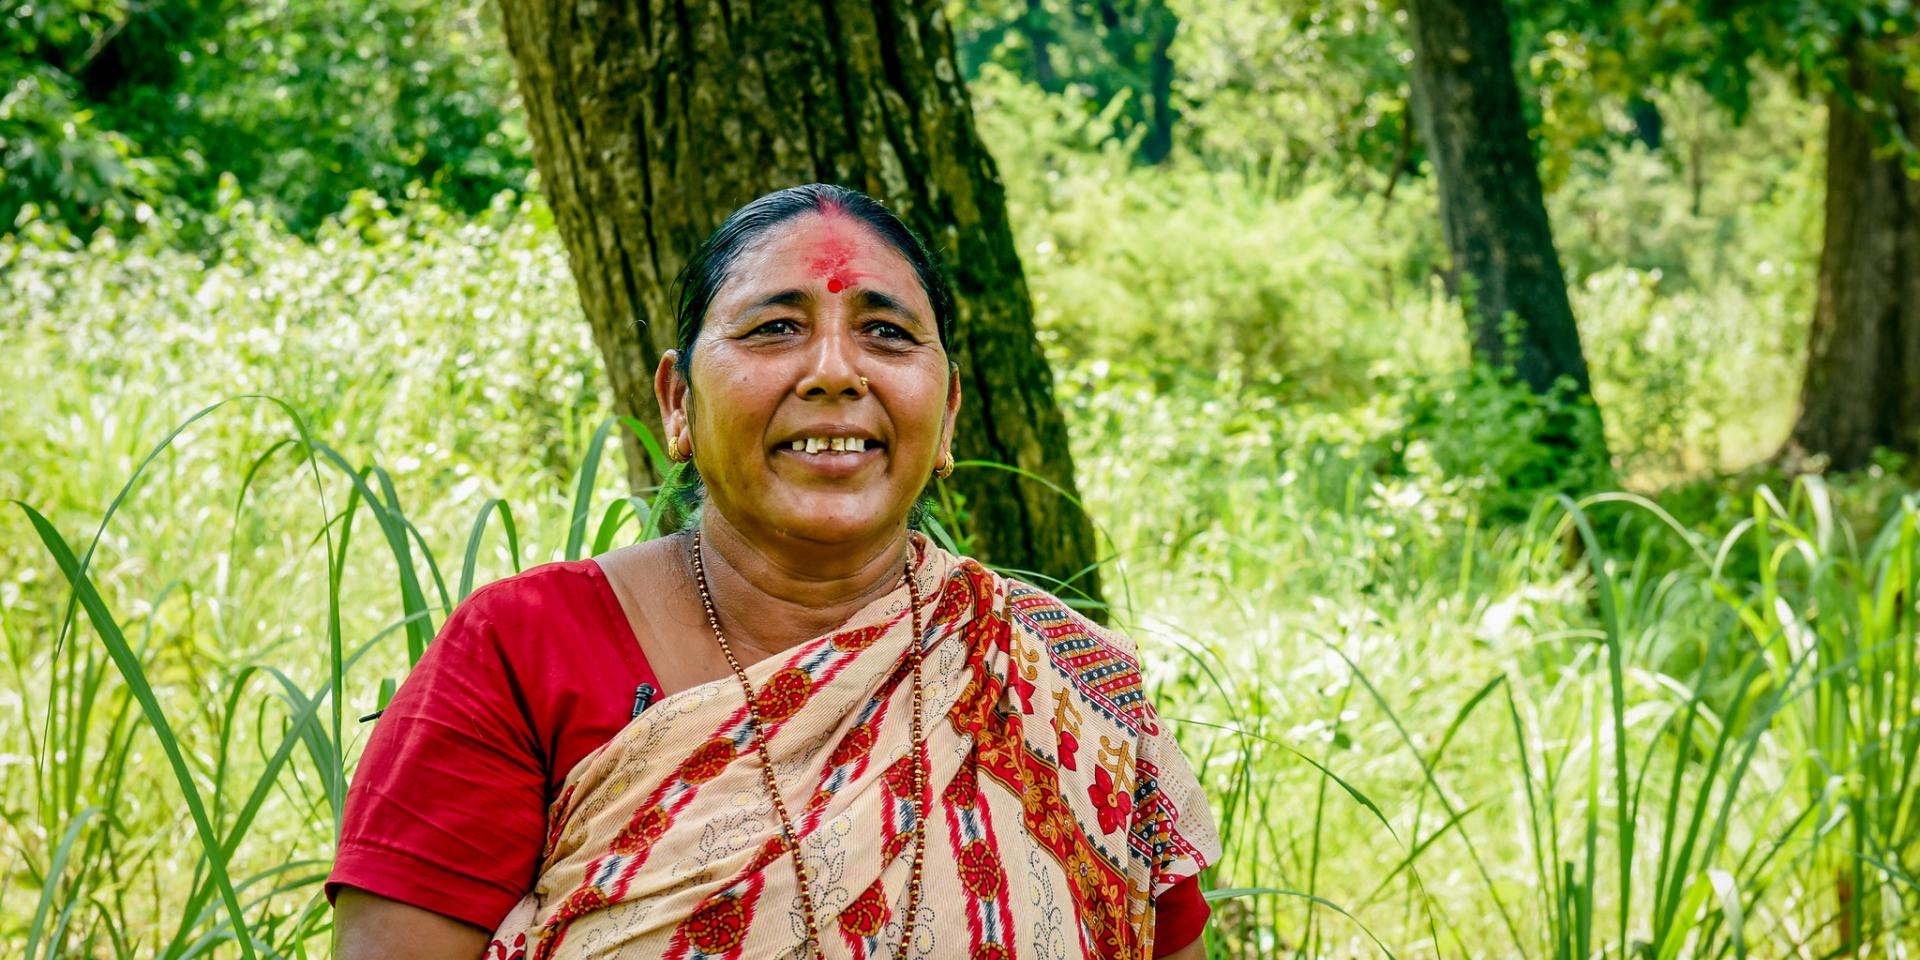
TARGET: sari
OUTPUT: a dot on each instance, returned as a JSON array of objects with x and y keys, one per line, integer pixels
[{"x": 1058, "y": 805}]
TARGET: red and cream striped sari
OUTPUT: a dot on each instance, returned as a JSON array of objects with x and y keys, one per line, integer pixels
[{"x": 1059, "y": 804}]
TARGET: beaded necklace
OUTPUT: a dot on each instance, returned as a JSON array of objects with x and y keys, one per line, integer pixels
[{"x": 918, "y": 747}]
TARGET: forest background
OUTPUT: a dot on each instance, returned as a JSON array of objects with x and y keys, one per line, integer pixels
[{"x": 1487, "y": 638}]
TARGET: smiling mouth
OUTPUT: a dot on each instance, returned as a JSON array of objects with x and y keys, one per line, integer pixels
[
  {"x": 819, "y": 459},
  {"x": 831, "y": 446}
]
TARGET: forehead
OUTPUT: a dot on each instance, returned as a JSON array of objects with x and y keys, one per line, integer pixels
[{"x": 809, "y": 249}]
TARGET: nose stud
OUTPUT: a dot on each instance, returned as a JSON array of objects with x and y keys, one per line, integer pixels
[{"x": 863, "y": 384}]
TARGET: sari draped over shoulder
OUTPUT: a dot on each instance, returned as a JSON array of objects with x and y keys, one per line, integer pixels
[{"x": 1059, "y": 806}]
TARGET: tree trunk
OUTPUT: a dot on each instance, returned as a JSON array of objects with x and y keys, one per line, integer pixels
[
  {"x": 1163, "y": 25},
  {"x": 1037, "y": 25},
  {"x": 1138, "y": 37},
  {"x": 654, "y": 119},
  {"x": 1468, "y": 108},
  {"x": 1863, "y": 367}
]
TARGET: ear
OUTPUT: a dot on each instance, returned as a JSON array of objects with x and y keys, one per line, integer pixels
[
  {"x": 953, "y": 407},
  {"x": 671, "y": 391}
]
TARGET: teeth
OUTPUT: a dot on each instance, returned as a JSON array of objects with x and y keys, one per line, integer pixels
[{"x": 838, "y": 444}]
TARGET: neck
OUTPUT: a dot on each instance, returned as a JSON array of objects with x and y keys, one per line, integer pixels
[{"x": 768, "y": 599}]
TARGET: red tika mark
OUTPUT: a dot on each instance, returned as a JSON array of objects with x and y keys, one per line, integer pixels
[{"x": 836, "y": 252}]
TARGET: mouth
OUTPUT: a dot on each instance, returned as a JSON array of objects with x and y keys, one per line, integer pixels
[{"x": 831, "y": 454}]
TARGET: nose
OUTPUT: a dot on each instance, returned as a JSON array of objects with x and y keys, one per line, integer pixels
[{"x": 832, "y": 367}]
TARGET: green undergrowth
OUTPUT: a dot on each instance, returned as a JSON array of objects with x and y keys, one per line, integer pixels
[{"x": 1437, "y": 711}]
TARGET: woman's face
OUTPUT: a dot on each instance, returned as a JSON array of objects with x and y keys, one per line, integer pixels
[{"x": 809, "y": 309}]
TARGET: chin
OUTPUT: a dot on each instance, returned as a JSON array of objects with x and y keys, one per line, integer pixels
[{"x": 839, "y": 522}]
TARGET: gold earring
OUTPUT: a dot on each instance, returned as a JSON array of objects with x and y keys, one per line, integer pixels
[
  {"x": 673, "y": 451},
  {"x": 944, "y": 469}
]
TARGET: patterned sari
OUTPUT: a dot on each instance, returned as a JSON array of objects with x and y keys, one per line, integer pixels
[{"x": 1058, "y": 804}]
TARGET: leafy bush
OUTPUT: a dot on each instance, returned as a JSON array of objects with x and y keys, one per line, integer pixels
[
  {"x": 57, "y": 162},
  {"x": 1512, "y": 445},
  {"x": 118, "y": 108},
  {"x": 1316, "y": 288}
]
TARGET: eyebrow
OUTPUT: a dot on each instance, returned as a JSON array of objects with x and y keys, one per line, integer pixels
[
  {"x": 866, "y": 299},
  {"x": 785, "y": 298},
  {"x": 863, "y": 299}
]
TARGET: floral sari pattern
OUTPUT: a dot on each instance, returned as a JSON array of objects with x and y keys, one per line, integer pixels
[{"x": 1058, "y": 805}]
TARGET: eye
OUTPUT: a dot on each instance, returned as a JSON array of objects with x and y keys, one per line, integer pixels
[
  {"x": 889, "y": 330},
  {"x": 774, "y": 328}
]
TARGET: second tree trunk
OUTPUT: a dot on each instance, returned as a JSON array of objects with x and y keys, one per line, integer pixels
[
  {"x": 1504, "y": 263},
  {"x": 1863, "y": 369}
]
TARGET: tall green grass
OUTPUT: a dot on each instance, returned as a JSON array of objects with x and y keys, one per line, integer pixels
[
  {"x": 1704, "y": 747},
  {"x": 1670, "y": 726}
]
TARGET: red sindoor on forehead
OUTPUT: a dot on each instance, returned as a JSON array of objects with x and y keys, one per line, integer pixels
[{"x": 832, "y": 259}]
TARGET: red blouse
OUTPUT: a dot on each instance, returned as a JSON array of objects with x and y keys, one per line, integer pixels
[{"x": 448, "y": 806}]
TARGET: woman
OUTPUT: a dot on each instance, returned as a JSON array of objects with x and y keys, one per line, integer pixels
[{"x": 797, "y": 728}]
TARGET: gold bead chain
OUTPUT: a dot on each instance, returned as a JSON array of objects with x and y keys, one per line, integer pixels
[{"x": 918, "y": 747}]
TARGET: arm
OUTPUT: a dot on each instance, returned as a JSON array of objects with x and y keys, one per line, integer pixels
[
  {"x": 445, "y": 814},
  {"x": 1197, "y": 950},
  {"x": 371, "y": 927}
]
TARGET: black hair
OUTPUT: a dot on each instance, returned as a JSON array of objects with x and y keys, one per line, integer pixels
[{"x": 712, "y": 263}]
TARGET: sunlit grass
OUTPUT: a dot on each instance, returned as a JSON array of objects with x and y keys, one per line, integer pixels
[{"x": 1598, "y": 729}]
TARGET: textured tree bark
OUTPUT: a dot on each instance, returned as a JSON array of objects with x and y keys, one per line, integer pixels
[
  {"x": 654, "y": 119},
  {"x": 1504, "y": 261},
  {"x": 1863, "y": 367}
]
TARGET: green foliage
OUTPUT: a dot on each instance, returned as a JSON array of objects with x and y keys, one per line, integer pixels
[
  {"x": 1589, "y": 61},
  {"x": 1315, "y": 563},
  {"x": 1506, "y": 440},
  {"x": 1302, "y": 287},
  {"x": 57, "y": 162},
  {"x": 1692, "y": 287},
  {"x": 1114, "y": 53},
  {"x": 117, "y": 106},
  {"x": 1437, "y": 710},
  {"x": 1301, "y": 91},
  {"x": 1276, "y": 91},
  {"x": 307, "y": 103}
]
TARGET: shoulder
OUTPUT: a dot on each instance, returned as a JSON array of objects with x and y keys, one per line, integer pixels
[
  {"x": 1100, "y": 664},
  {"x": 1040, "y": 611},
  {"x": 562, "y": 591},
  {"x": 971, "y": 587},
  {"x": 514, "y": 618}
]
